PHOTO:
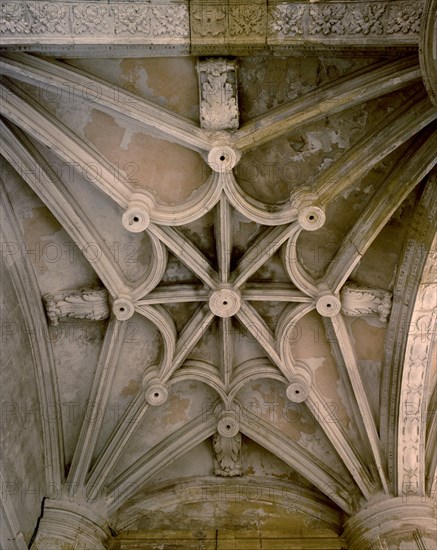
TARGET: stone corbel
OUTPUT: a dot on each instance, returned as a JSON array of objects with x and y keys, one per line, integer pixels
[
  {"x": 86, "y": 303},
  {"x": 360, "y": 302},
  {"x": 218, "y": 94},
  {"x": 227, "y": 441},
  {"x": 227, "y": 455}
]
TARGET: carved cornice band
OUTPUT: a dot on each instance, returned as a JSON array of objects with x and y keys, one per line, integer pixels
[{"x": 209, "y": 27}]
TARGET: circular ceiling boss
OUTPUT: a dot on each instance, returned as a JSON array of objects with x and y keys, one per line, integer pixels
[{"x": 225, "y": 302}]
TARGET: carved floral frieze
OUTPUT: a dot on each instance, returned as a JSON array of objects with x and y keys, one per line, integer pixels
[
  {"x": 247, "y": 20},
  {"x": 94, "y": 18},
  {"x": 209, "y": 23},
  {"x": 338, "y": 20}
]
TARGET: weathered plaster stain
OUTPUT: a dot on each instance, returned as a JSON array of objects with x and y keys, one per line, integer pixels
[
  {"x": 170, "y": 81},
  {"x": 369, "y": 340},
  {"x": 177, "y": 410},
  {"x": 131, "y": 388},
  {"x": 37, "y": 228},
  {"x": 327, "y": 379},
  {"x": 170, "y": 171}
]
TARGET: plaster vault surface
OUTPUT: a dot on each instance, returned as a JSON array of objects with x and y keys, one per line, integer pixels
[{"x": 218, "y": 280}]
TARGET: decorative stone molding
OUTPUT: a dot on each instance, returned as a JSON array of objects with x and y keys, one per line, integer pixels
[
  {"x": 156, "y": 392},
  {"x": 299, "y": 387},
  {"x": 327, "y": 303},
  {"x": 228, "y": 424},
  {"x": 86, "y": 303},
  {"x": 428, "y": 48},
  {"x": 227, "y": 455},
  {"x": 311, "y": 217},
  {"x": 310, "y": 214},
  {"x": 208, "y": 19},
  {"x": 360, "y": 302},
  {"x": 415, "y": 383},
  {"x": 209, "y": 27},
  {"x": 123, "y": 307},
  {"x": 355, "y": 19},
  {"x": 407, "y": 344},
  {"x": 391, "y": 523},
  {"x": 228, "y": 22},
  {"x": 225, "y": 302},
  {"x": 165, "y": 22},
  {"x": 218, "y": 94},
  {"x": 222, "y": 158},
  {"x": 136, "y": 218},
  {"x": 232, "y": 24}
]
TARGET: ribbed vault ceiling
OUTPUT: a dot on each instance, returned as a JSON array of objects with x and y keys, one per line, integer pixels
[{"x": 270, "y": 288}]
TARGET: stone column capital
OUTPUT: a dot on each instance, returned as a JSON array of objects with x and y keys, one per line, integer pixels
[
  {"x": 69, "y": 525},
  {"x": 391, "y": 523}
]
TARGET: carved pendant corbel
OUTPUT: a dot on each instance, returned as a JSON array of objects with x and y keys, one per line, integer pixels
[
  {"x": 227, "y": 455},
  {"x": 218, "y": 94},
  {"x": 84, "y": 303},
  {"x": 360, "y": 302}
]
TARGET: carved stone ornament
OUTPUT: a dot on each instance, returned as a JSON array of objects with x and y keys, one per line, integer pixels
[
  {"x": 206, "y": 27},
  {"x": 218, "y": 94},
  {"x": 310, "y": 214},
  {"x": 85, "y": 303},
  {"x": 123, "y": 307},
  {"x": 156, "y": 393},
  {"x": 225, "y": 302},
  {"x": 222, "y": 158},
  {"x": 228, "y": 424},
  {"x": 299, "y": 386},
  {"x": 227, "y": 455},
  {"x": 428, "y": 49},
  {"x": 136, "y": 217},
  {"x": 95, "y": 18},
  {"x": 327, "y": 303},
  {"x": 359, "y": 302}
]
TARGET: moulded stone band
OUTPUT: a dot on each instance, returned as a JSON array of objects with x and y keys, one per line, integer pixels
[
  {"x": 123, "y": 308},
  {"x": 223, "y": 158}
]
